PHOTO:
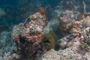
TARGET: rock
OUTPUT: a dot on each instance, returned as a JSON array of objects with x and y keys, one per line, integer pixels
[
  {"x": 28, "y": 35},
  {"x": 66, "y": 54}
]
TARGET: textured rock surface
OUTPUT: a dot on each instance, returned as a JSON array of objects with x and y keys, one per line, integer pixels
[
  {"x": 6, "y": 44},
  {"x": 79, "y": 49},
  {"x": 28, "y": 35},
  {"x": 67, "y": 54}
]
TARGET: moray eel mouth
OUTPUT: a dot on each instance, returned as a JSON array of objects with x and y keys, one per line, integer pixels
[{"x": 46, "y": 41}]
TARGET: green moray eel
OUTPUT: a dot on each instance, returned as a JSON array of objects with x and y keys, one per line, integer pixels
[{"x": 49, "y": 39}]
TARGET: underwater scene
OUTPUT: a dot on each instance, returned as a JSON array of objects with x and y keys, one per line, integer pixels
[{"x": 44, "y": 29}]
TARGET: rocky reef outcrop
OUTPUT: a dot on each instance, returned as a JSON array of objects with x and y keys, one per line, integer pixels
[
  {"x": 28, "y": 35},
  {"x": 67, "y": 54},
  {"x": 64, "y": 37},
  {"x": 66, "y": 20},
  {"x": 74, "y": 46}
]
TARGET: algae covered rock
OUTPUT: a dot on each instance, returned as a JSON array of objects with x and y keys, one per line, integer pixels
[{"x": 28, "y": 36}]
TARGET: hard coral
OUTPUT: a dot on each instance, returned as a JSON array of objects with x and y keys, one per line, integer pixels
[
  {"x": 63, "y": 25},
  {"x": 80, "y": 17},
  {"x": 87, "y": 19},
  {"x": 29, "y": 38},
  {"x": 16, "y": 30},
  {"x": 67, "y": 18},
  {"x": 42, "y": 11},
  {"x": 69, "y": 5}
]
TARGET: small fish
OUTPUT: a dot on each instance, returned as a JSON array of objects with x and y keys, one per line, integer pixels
[
  {"x": 38, "y": 35},
  {"x": 47, "y": 6}
]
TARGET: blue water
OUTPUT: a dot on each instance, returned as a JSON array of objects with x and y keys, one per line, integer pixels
[
  {"x": 4, "y": 3},
  {"x": 13, "y": 12},
  {"x": 12, "y": 7}
]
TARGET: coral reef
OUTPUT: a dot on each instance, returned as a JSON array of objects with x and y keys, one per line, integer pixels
[
  {"x": 62, "y": 33},
  {"x": 78, "y": 46},
  {"x": 80, "y": 17},
  {"x": 67, "y": 54},
  {"x": 87, "y": 19},
  {"x": 28, "y": 35},
  {"x": 67, "y": 18},
  {"x": 65, "y": 42},
  {"x": 16, "y": 30}
]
